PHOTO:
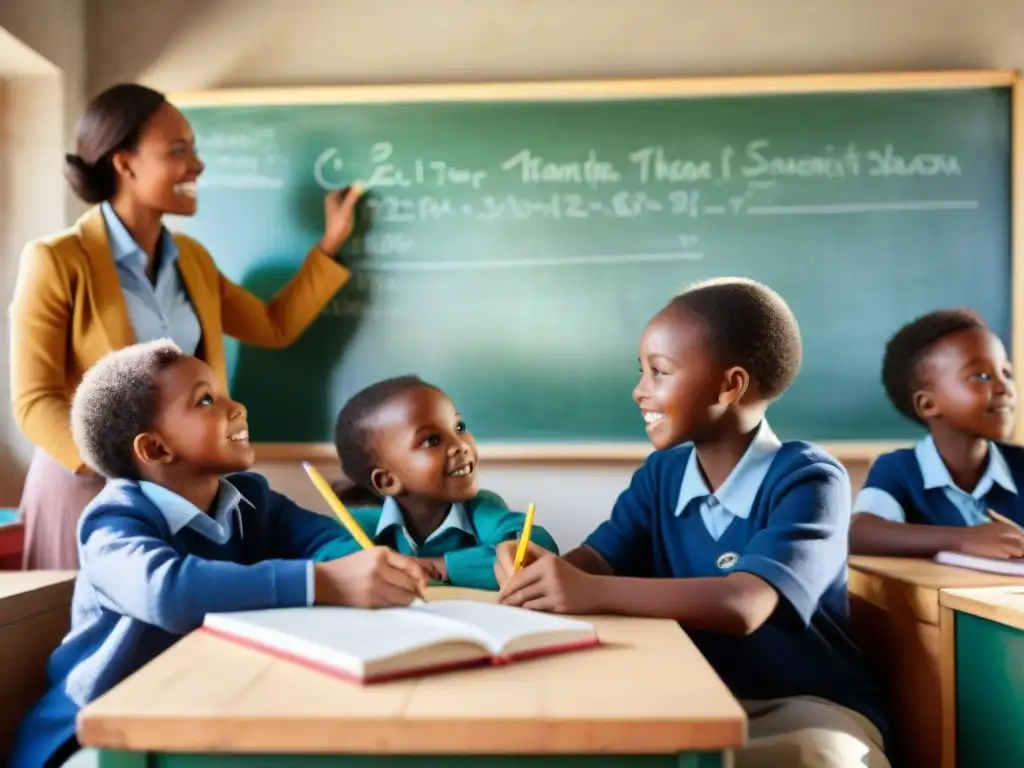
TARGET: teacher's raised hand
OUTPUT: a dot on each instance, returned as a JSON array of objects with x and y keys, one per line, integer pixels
[{"x": 339, "y": 217}]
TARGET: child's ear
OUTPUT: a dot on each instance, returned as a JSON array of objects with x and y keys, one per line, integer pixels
[
  {"x": 150, "y": 450},
  {"x": 735, "y": 383},
  {"x": 385, "y": 483},
  {"x": 925, "y": 406}
]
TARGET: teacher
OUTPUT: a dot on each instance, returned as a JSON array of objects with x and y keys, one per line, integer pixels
[{"x": 118, "y": 277}]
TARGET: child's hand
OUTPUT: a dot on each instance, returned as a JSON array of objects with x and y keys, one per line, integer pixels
[
  {"x": 997, "y": 540},
  {"x": 551, "y": 584},
  {"x": 505, "y": 557},
  {"x": 434, "y": 567},
  {"x": 370, "y": 578}
]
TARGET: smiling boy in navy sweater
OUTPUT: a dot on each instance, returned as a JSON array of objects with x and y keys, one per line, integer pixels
[
  {"x": 738, "y": 536},
  {"x": 181, "y": 530}
]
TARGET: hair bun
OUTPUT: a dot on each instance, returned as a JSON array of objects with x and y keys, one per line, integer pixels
[{"x": 87, "y": 181}]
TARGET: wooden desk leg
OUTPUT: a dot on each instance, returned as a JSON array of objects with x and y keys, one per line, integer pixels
[
  {"x": 947, "y": 679},
  {"x": 112, "y": 759},
  {"x": 907, "y": 652}
]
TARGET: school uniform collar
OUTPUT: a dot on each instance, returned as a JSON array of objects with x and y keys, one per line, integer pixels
[
  {"x": 935, "y": 474},
  {"x": 741, "y": 486},
  {"x": 180, "y": 513},
  {"x": 391, "y": 517}
]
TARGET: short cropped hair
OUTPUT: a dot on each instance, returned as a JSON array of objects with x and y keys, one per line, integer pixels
[
  {"x": 116, "y": 401},
  {"x": 908, "y": 350},
  {"x": 749, "y": 325},
  {"x": 351, "y": 433}
]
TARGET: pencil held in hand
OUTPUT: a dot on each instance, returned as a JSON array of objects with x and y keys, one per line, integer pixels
[
  {"x": 339, "y": 509},
  {"x": 524, "y": 540},
  {"x": 395, "y": 560},
  {"x": 1003, "y": 519}
]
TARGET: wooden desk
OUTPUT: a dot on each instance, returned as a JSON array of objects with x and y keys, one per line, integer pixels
[
  {"x": 646, "y": 698},
  {"x": 898, "y": 620},
  {"x": 989, "y": 674},
  {"x": 35, "y": 611}
]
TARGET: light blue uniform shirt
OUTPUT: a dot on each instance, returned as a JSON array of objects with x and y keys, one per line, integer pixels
[
  {"x": 219, "y": 527},
  {"x": 736, "y": 495},
  {"x": 934, "y": 474},
  {"x": 157, "y": 311},
  {"x": 391, "y": 517}
]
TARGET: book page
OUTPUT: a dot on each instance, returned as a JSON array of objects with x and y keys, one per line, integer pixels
[
  {"x": 501, "y": 625},
  {"x": 341, "y": 635},
  {"x": 1011, "y": 567}
]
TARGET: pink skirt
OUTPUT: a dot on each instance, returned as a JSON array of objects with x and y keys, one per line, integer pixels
[{"x": 51, "y": 504}]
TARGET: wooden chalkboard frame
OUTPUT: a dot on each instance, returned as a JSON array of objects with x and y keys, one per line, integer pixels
[{"x": 631, "y": 89}]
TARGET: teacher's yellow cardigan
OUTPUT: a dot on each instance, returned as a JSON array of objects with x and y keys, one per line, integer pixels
[{"x": 68, "y": 312}]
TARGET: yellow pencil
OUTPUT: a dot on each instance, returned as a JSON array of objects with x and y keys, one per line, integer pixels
[
  {"x": 343, "y": 514},
  {"x": 339, "y": 509},
  {"x": 524, "y": 540},
  {"x": 1001, "y": 519}
]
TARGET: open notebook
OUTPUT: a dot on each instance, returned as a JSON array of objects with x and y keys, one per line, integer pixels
[
  {"x": 1013, "y": 567},
  {"x": 369, "y": 646}
]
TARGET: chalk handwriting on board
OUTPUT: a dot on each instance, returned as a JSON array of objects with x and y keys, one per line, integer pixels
[
  {"x": 254, "y": 160},
  {"x": 570, "y": 187},
  {"x": 535, "y": 169},
  {"x": 654, "y": 165},
  {"x": 246, "y": 158},
  {"x": 387, "y": 208},
  {"x": 651, "y": 165},
  {"x": 328, "y": 168}
]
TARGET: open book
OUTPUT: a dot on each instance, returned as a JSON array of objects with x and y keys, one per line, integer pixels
[
  {"x": 369, "y": 646},
  {"x": 1013, "y": 567}
]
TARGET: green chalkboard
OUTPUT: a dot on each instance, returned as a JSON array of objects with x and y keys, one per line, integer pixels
[{"x": 512, "y": 251}]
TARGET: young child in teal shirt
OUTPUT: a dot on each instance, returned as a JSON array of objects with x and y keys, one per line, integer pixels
[{"x": 403, "y": 440}]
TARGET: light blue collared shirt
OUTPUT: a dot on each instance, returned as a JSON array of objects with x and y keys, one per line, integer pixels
[
  {"x": 391, "y": 516},
  {"x": 736, "y": 495},
  {"x": 934, "y": 474},
  {"x": 158, "y": 311},
  {"x": 218, "y": 527}
]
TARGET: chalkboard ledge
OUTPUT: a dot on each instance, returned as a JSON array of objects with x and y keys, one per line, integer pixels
[{"x": 844, "y": 450}]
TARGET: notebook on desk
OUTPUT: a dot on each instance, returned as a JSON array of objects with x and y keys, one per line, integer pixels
[
  {"x": 369, "y": 646},
  {"x": 1014, "y": 567}
]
